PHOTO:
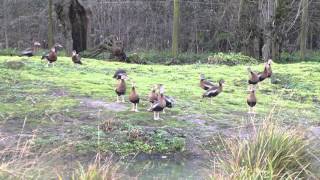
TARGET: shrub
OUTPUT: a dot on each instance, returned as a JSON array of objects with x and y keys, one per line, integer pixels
[
  {"x": 272, "y": 153},
  {"x": 164, "y": 57},
  {"x": 135, "y": 58},
  {"x": 231, "y": 59}
]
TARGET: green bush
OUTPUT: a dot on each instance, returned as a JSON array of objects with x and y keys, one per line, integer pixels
[
  {"x": 231, "y": 59},
  {"x": 164, "y": 57}
]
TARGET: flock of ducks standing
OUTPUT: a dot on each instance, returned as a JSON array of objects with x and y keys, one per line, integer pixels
[
  {"x": 159, "y": 101},
  {"x": 254, "y": 79}
]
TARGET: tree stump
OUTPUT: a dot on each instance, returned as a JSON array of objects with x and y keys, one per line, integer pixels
[{"x": 113, "y": 45}]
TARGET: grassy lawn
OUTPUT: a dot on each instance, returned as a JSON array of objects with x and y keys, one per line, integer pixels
[{"x": 61, "y": 104}]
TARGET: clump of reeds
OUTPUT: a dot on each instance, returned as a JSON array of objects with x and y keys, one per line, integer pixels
[{"x": 271, "y": 152}]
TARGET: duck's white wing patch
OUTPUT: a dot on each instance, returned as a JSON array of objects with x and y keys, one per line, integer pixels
[
  {"x": 156, "y": 104},
  {"x": 211, "y": 91}
]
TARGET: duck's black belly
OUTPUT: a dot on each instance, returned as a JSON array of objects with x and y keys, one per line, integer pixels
[
  {"x": 158, "y": 108},
  {"x": 135, "y": 101},
  {"x": 261, "y": 78},
  {"x": 213, "y": 94},
  {"x": 252, "y": 103},
  {"x": 52, "y": 60},
  {"x": 252, "y": 82},
  {"x": 120, "y": 93}
]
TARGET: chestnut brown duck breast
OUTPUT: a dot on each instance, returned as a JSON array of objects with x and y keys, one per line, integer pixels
[
  {"x": 121, "y": 88},
  {"x": 158, "y": 105},
  {"x": 134, "y": 98},
  {"x": 76, "y": 58},
  {"x": 254, "y": 78},
  {"x": 252, "y": 101},
  {"x": 269, "y": 68}
]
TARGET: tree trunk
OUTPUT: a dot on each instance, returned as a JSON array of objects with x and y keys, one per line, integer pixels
[
  {"x": 176, "y": 23},
  {"x": 50, "y": 25},
  {"x": 247, "y": 29},
  {"x": 6, "y": 24},
  {"x": 304, "y": 29},
  {"x": 268, "y": 22},
  {"x": 281, "y": 9},
  {"x": 74, "y": 18}
]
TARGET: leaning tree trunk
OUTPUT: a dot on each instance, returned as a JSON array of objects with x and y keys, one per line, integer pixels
[{"x": 74, "y": 18}]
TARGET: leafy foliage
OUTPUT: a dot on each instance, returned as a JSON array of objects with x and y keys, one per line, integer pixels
[
  {"x": 154, "y": 57},
  {"x": 231, "y": 59}
]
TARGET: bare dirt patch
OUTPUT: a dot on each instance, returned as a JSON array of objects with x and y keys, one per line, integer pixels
[
  {"x": 93, "y": 104},
  {"x": 193, "y": 118}
]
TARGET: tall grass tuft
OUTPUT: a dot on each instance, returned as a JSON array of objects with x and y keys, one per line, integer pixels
[
  {"x": 97, "y": 171},
  {"x": 270, "y": 153}
]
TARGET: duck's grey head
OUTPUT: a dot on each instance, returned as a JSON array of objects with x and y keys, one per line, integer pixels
[{"x": 202, "y": 77}]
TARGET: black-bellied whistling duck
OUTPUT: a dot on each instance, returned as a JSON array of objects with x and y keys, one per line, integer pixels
[
  {"x": 36, "y": 46},
  {"x": 29, "y": 52},
  {"x": 253, "y": 78},
  {"x": 121, "y": 88},
  {"x": 169, "y": 100},
  {"x": 76, "y": 58},
  {"x": 252, "y": 101},
  {"x": 205, "y": 84},
  {"x": 158, "y": 105},
  {"x": 267, "y": 72},
  {"x": 263, "y": 75},
  {"x": 269, "y": 68},
  {"x": 51, "y": 57},
  {"x": 118, "y": 73},
  {"x": 153, "y": 96},
  {"x": 214, "y": 90},
  {"x": 134, "y": 98}
]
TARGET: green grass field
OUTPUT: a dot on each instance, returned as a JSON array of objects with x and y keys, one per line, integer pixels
[{"x": 71, "y": 107}]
